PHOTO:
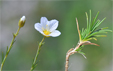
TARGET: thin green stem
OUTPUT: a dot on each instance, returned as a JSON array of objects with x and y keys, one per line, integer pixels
[
  {"x": 36, "y": 56},
  {"x": 17, "y": 31},
  {"x": 7, "y": 52}
]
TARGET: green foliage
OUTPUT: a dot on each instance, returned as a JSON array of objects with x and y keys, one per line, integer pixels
[
  {"x": 91, "y": 32},
  {"x": 80, "y": 48},
  {"x": 80, "y": 52}
]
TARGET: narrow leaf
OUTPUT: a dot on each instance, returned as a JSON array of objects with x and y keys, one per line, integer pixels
[
  {"x": 90, "y": 39},
  {"x": 83, "y": 54},
  {"x": 78, "y": 29},
  {"x": 100, "y": 22},
  {"x": 87, "y": 19},
  {"x": 90, "y": 20},
  {"x": 94, "y": 20},
  {"x": 95, "y": 33},
  {"x": 78, "y": 49},
  {"x": 94, "y": 26},
  {"x": 104, "y": 28},
  {"x": 2, "y": 56},
  {"x": 100, "y": 35},
  {"x": 91, "y": 44}
]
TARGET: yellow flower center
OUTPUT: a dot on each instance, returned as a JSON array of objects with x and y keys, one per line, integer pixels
[{"x": 46, "y": 32}]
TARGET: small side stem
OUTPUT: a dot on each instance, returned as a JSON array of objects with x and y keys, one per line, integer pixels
[
  {"x": 72, "y": 51},
  {"x": 36, "y": 56},
  {"x": 7, "y": 52}
]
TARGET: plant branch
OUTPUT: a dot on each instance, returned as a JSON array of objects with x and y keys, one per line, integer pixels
[
  {"x": 7, "y": 52},
  {"x": 38, "y": 51},
  {"x": 85, "y": 35},
  {"x": 73, "y": 50}
]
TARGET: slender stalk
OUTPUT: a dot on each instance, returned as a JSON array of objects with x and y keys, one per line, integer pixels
[
  {"x": 36, "y": 56},
  {"x": 7, "y": 52},
  {"x": 78, "y": 30},
  {"x": 68, "y": 55}
]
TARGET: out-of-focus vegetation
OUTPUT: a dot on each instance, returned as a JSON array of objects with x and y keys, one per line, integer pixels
[{"x": 53, "y": 52}]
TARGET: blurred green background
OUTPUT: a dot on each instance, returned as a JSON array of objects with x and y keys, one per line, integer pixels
[{"x": 53, "y": 52}]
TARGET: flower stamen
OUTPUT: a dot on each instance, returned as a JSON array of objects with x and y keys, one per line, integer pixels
[
  {"x": 46, "y": 32},
  {"x": 42, "y": 28}
]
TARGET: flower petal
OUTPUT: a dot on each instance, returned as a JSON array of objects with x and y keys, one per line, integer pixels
[
  {"x": 53, "y": 24},
  {"x": 43, "y": 21},
  {"x": 23, "y": 18},
  {"x": 38, "y": 27},
  {"x": 55, "y": 33}
]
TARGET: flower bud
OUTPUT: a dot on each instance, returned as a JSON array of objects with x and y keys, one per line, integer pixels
[{"x": 21, "y": 21}]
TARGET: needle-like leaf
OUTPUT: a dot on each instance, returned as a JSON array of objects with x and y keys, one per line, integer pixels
[
  {"x": 78, "y": 29},
  {"x": 90, "y": 32}
]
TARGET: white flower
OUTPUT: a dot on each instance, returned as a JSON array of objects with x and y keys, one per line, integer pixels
[{"x": 47, "y": 28}]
